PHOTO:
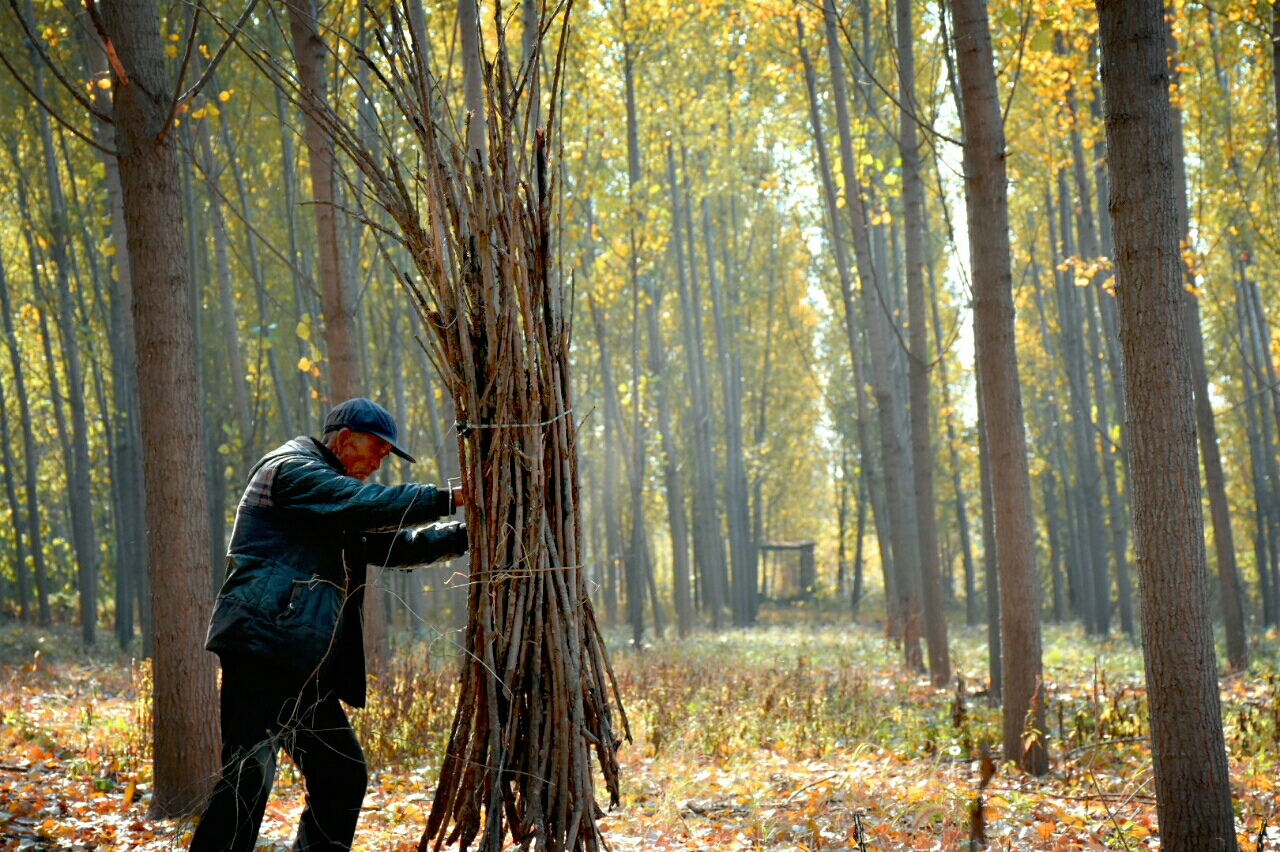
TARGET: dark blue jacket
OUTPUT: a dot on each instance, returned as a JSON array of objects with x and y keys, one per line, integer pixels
[{"x": 304, "y": 532}]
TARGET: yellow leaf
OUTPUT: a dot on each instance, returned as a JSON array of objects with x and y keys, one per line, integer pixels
[
  {"x": 304, "y": 364},
  {"x": 104, "y": 83},
  {"x": 130, "y": 792},
  {"x": 304, "y": 331},
  {"x": 225, "y": 95},
  {"x": 171, "y": 51}
]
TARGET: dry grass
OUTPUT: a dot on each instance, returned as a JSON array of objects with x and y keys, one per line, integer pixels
[{"x": 777, "y": 738}]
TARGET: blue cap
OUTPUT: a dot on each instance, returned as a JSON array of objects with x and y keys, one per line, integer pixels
[{"x": 365, "y": 415}]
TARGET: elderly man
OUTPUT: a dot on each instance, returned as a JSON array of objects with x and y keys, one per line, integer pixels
[{"x": 286, "y": 624}]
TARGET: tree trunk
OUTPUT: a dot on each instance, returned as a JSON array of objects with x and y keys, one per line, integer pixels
[
  {"x": 1081, "y": 562},
  {"x": 266, "y": 339},
  {"x": 742, "y": 587},
  {"x": 15, "y": 516},
  {"x": 211, "y": 368},
  {"x": 893, "y": 426},
  {"x": 636, "y": 562},
  {"x": 1049, "y": 487},
  {"x": 705, "y": 508},
  {"x": 1089, "y": 254},
  {"x": 1087, "y": 470},
  {"x": 670, "y": 470},
  {"x": 126, "y": 437},
  {"x": 1193, "y": 793},
  {"x": 1206, "y": 428},
  {"x": 935, "y": 617},
  {"x": 990, "y": 559},
  {"x": 297, "y": 262},
  {"x": 310, "y": 54},
  {"x": 836, "y": 236},
  {"x": 227, "y": 303},
  {"x": 44, "y": 616},
  {"x": 78, "y": 476},
  {"x": 997, "y": 361},
  {"x": 186, "y": 722},
  {"x": 962, "y": 514},
  {"x": 613, "y": 533},
  {"x": 472, "y": 80},
  {"x": 762, "y": 422}
]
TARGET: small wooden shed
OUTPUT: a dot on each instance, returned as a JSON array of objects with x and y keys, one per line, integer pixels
[{"x": 787, "y": 582}]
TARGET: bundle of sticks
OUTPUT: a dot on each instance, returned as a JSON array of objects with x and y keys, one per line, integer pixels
[{"x": 473, "y": 211}]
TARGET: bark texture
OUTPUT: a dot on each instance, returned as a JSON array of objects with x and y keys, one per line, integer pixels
[
  {"x": 986, "y": 186},
  {"x": 1193, "y": 794},
  {"x": 186, "y": 721},
  {"x": 935, "y": 618}
]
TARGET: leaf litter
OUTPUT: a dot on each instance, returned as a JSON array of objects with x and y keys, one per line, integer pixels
[{"x": 778, "y": 738}]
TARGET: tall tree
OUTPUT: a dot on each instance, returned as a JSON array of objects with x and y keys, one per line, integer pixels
[
  {"x": 1193, "y": 792},
  {"x": 918, "y": 355},
  {"x": 44, "y": 616},
  {"x": 875, "y": 299},
  {"x": 186, "y": 722},
  {"x": 78, "y": 474},
  {"x": 986, "y": 189},
  {"x": 1206, "y": 427},
  {"x": 704, "y": 537},
  {"x": 840, "y": 254},
  {"x": 310, "y": 54},
  {"x": 15, "y": 517},
  {"x": 126, "y": 437}
]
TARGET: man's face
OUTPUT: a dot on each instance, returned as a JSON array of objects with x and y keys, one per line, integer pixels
[{"x": 360, "y": 453}]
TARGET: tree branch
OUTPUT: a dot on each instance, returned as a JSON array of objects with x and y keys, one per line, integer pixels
[
  {"x": 57, "y": 72},
  {"x": 217, "y": 57},
  {"x": 110, "y": 48},
  {"x": 182, "y": 73},
  {"x": 49, "y": 109}
]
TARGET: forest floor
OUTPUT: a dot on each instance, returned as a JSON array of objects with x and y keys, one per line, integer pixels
[{"x": 789, "y": 736}]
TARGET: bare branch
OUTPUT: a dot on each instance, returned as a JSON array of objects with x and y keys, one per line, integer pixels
[
  {"x": 182, "y": 73},
  {"x": 50, "y": 110},
  {"x": 57, "y": 72},
  {"x": 110, "y": 48},
  {"x": 217, "y": 57}
]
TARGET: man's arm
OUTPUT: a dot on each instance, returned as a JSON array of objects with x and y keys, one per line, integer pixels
[
  {"x": 410, "y": 547},
  {"x": 317, "y": 489}
]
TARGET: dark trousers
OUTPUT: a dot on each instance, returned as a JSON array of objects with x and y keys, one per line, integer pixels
[{"x": 263, "y": 711}]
